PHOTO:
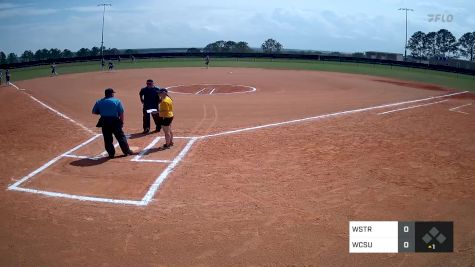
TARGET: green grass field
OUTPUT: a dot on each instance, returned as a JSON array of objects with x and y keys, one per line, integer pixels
[{"x": 451, "y": 80}]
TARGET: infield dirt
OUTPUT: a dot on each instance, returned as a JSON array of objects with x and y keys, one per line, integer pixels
[{"x": 274, "y": 196}]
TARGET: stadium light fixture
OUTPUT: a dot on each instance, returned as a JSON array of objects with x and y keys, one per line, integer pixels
[
  {"x": 405, "y": 46},
  {"x": 102, "y": 36}
]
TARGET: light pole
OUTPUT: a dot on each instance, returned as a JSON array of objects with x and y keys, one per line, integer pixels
[
  {"x": 102, "y": 36},
  {"x": 405, "y": 46}
]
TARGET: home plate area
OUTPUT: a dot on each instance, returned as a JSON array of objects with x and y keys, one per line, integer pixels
[
  {"x": 86, "y": 173},
  {"x": 146, "y": 147}
]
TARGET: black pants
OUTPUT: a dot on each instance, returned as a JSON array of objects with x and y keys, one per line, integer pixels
[
  {"x": 113, "y": 126},
  {"x": 146, "y": 120}
]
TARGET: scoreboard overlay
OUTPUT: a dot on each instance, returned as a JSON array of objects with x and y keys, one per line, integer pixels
[{"x": 400, "y": 236}]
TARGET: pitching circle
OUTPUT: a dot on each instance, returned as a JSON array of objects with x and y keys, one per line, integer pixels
[{"x": 211, "y": 89}]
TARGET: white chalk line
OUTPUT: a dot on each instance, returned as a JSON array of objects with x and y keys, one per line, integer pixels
[
  {"x": 326, "y": 116},
  {"x": 76, "y": 156},
  {"x": 459, "y": 107},
  {"x": 152, "y": 160},
  {"x": 146, "y": 149},
  {"x": 199, "y": 92},
  {"x": 145, "y": 200},
  {"x": 63, "y": 116},
  {"x": 154, "y": 187},
  {"x": 411, "y": 107},
  {"x": 83, "y": 157},
  {"x": 49, "y": 163},
  {"x": 80, "y": 198},
  {"x": 458, "y": 111},
  {"x": 57, "y": 112},
  {"x": 212, "y": 91},
  {"x": 137, "y": 158},
  {"x": 244, "y": 92},
  {"x": 96, "y": 157},
  {"x": 105, "y": 153},
  {"x": 252, "y": 89}
]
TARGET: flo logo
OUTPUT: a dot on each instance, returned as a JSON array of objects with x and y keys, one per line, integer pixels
[{"x": 441, "y": 18}]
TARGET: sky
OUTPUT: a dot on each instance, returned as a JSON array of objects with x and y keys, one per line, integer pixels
[{"x": 345, "y": 26}]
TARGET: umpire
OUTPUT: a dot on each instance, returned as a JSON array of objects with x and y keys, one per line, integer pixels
[
  {"x": 111, "y": 121},
  {"x": 150, "y": 100}
]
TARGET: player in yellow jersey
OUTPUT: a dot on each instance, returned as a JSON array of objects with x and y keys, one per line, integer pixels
[{"x": 165, "y": 110}]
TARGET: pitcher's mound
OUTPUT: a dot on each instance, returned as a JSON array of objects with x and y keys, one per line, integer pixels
[{"x": 211, "y": 89}]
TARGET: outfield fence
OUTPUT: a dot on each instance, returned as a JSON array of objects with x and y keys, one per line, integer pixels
[{"x": 467, "y": 68}]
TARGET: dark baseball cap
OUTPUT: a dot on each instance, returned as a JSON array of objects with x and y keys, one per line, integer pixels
[
  {"x": 109, "y": 91},
  {"x": 149, "y": 81},
  {"x": 163, "y": 90}
]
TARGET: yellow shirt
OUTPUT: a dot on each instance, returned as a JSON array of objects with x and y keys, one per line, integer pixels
[{"x": 165, "y": 109}]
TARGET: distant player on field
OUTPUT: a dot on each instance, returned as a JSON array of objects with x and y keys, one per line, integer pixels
[
  {"x": 7, "y": 76},
  {"x": 53, "y": 70},
  {"x": 111, "y": 66},
  {"x": 207, "y": 61}
]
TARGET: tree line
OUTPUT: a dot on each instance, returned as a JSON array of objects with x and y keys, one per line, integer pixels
[
  {"x": 55, "y": 53},
  {"x": 441, "y": 44},
  {"x": 269, "y": 46},
  {"x": 422, "y": 46}
]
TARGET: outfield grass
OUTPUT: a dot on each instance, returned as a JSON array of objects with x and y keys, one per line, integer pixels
[{"x": 452, "y": 80}]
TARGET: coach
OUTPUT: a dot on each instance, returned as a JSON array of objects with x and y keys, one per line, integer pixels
[
  {"x": 111, "y": 121},
  {"x": 150, "y": 100}
]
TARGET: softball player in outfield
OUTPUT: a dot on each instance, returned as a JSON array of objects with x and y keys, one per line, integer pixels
[
  {"x": 7, "y": 76},
  {"x": 53, "y": 70},
  {"x": 207, "y": 62}
]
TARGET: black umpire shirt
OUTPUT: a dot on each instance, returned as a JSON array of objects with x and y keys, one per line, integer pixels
[{"x": 150, "y": 97}]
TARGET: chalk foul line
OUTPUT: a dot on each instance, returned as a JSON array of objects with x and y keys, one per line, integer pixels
[
  {"x": 56, "y": 112},
  {"x": 172, "y": 165},
  {"x": 456, "y": 109},
  {"x": 51, "y": 162},
  {"x": 411, "y": 107},
  {"x": 327, "y": 115},
  {"x": 163, "y": 176},
  {"x": 68, "y": 154}
]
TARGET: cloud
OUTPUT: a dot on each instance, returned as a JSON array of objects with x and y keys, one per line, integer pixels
[
  {"x": 9, "y": 10},
  {"x": 330, "y": 25},
  {"x": 87, "y": 9}
]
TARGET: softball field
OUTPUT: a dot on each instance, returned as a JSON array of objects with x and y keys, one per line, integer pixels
[{"x": 268, "y": 168}]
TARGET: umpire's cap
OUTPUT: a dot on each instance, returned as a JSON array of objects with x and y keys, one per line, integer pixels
[
  {"x": 149, "y": 81},
  {"x": 109, "y": 91}
]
